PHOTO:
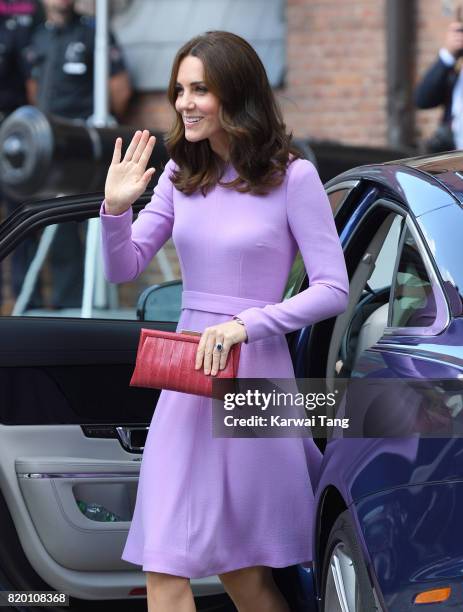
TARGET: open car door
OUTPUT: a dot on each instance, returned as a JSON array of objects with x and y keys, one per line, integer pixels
[{"x": 72, "y": 431}]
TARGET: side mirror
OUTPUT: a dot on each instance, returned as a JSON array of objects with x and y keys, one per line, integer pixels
[{"x": 161, "y": 302}]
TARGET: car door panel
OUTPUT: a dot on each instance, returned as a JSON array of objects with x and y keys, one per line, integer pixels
[
  {"x": 66, "y": 415},
  {"x": 71, "y": 371},
  {"x": 51, "y": 488},
  {"x": 47, "y": 458},
  {"x": 45, "y": 511},
  {"x": 44, "y": 469}
]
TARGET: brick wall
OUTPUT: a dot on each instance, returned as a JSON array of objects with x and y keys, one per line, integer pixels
[
  {"x": 336, "y": 49},
  {"x": 336, "y": 78}
]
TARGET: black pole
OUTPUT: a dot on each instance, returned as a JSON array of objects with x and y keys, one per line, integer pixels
[{"x": 400, "y": 45}]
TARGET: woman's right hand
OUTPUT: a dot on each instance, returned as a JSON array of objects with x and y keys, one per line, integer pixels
[{"x": 128, "y": 178}]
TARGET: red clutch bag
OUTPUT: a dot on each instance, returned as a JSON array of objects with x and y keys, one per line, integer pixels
[{"x": 166, "y": 360}]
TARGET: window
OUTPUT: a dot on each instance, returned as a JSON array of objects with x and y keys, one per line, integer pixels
[
  {"x": 413, "y": 302},
  {"x": 47, "y": 271},
  {"x": 365, "y": 319},
  {"x": 337, "y": 197},
  {"x": 384, "y": 266}
]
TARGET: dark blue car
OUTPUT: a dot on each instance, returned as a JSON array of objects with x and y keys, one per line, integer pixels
[{"x": 388, "y": 533}]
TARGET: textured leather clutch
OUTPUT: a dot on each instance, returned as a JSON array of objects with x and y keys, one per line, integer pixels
[{"x": 166, "y": 360}]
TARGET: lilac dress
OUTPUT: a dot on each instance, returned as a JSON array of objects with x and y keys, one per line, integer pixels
[{"x": 208, "y": 505}]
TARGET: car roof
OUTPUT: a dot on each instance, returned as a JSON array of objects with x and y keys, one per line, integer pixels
[
  {"x": 446, "y": 167},
  {"x": 439, "y": 177}
]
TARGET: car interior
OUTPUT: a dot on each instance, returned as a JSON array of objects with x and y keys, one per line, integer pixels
[
  {"x": 380, "y": 252},
  {"x": 370, "y": 257},
  {"x": 361, "y": 323}
]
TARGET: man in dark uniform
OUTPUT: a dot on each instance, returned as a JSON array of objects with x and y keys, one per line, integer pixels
[
  {"x": 61, "y": 57},
  {"x": 61, "y": 60},
  {"x": 17, "y": 22}
]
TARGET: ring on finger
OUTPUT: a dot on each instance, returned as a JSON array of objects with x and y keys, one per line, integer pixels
[{"x": 219, "y": 347}]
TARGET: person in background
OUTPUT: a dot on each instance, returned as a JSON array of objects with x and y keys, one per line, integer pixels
[
  {"x": 61, "y": 60},
  {"x": 442, "y": 85},
  {"x": 17, "y": 22}
]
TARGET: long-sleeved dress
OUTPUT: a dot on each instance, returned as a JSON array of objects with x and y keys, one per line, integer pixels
[{"x": 207, "y": 505}]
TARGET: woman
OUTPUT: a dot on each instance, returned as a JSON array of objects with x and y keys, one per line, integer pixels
[{"x": 238, "y": 204}]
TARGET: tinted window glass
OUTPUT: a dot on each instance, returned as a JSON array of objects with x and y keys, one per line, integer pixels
[
  {"x": 413, "y": 303},
  {"x": 384, "y": 266},
  {"x": 370, "y": 287},
  {"x": 45, "y": 275},
  {"x": 337, "y": 197}
]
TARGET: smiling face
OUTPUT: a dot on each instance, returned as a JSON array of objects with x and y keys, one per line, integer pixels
[{"x": 199, "y": 107}]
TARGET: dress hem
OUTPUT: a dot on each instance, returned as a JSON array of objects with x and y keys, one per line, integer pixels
[{"x": 176, "y": 566}]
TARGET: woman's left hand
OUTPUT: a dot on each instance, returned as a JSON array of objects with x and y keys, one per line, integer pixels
[{"x": 226, "y": 334}]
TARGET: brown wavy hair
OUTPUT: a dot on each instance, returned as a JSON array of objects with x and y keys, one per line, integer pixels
[{"x": 260, "y": 148}]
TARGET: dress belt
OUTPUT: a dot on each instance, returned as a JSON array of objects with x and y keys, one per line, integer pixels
[{"x": 222, "y": 304}]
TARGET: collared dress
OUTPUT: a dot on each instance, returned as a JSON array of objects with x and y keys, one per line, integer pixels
[{"x": 208, "y": 505}]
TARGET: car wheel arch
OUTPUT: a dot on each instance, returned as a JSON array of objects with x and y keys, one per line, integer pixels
[{"x": 330, "y": 506}]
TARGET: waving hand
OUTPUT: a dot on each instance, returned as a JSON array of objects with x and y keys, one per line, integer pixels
[{"x": 128, "y": 178}]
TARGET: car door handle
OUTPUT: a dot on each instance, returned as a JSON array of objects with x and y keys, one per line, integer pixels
[{"x": 130, "y": 438}]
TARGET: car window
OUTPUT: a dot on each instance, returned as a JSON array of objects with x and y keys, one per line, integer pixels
[
  {"x": 46, "y": 273},
  {"x": 365, "y": 319},
  {"x": 413, "y": 302},
  {"x": 337, "y": 197},
  {"x": 384, "y": 267}
]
